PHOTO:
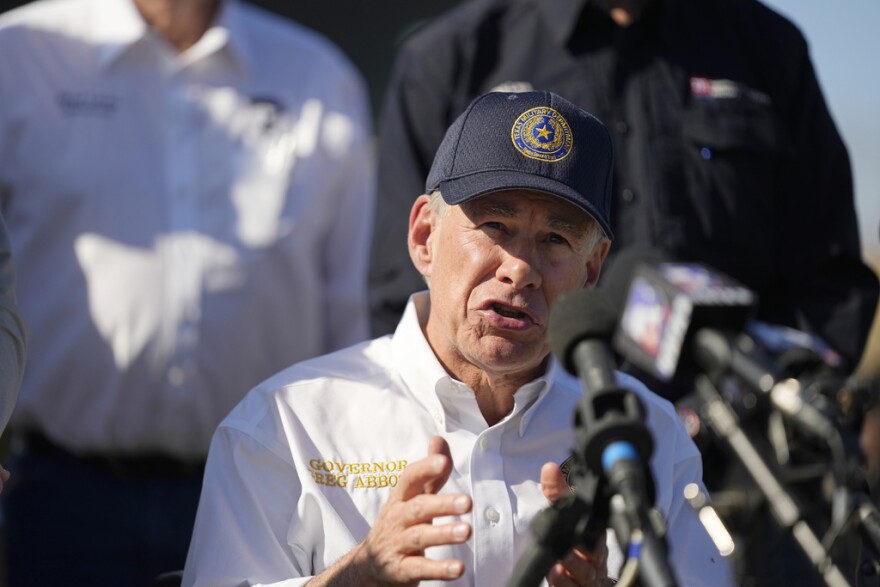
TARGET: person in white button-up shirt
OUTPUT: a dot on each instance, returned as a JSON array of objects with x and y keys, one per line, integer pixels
[
  {"x": 423, "y": 456},
  {"x": 188, "y": 186}
]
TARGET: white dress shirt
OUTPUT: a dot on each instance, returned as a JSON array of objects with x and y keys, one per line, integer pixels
[
  {"x": 297, "y": 473},
  {"x": 184, "y": 225}
]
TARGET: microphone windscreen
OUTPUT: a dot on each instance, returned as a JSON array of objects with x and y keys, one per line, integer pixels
[
  {"x": 576, "y": 316},
  {"x": 618, "y": 275}
]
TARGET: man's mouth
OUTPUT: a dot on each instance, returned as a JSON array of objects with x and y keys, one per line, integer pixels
[{"x": 508, "y": 312}]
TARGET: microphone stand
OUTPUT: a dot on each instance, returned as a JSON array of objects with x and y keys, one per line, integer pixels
[
  {"x": 851, "y": 507},
  {"x": 613, "y": 486},
  {"x": 782, "y": 505}
]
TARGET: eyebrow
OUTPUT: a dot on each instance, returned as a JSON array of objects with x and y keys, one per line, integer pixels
[
  {"x": 566, "y": 225},
  {"x": 494, "y": 208}
]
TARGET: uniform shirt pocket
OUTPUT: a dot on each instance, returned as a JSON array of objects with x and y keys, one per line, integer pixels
[{"x": 734, "y": 149}]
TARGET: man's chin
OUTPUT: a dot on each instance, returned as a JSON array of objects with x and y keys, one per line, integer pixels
[{"x": 502, "y": 354}]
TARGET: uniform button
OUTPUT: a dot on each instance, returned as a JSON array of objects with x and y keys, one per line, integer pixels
[
  {"x": 492, "y": 515},
  {"x": 621, "y": 127},
  {"x": 628, "y": 195},
  {"x": 484, "y": 443}
]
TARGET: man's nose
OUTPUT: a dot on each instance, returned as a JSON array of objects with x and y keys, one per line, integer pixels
[{"x": 520, "y": 268}]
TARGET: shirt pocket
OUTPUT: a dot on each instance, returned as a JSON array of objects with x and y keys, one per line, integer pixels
[{"x": 734, "y": 150}]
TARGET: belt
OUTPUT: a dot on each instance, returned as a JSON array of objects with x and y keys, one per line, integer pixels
[{"x": 129, "y": 467}]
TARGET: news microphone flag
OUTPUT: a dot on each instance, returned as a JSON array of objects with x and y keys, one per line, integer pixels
[{"x": 666, "y": 304}]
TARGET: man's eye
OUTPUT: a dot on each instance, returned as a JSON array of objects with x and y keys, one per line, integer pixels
[
  {"x": 557, "y": 239},
  {"x": 494, "y": 225}
]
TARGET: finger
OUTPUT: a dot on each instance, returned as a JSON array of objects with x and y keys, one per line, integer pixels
[
  {"x": 424, "y": 508},
  {"x": 553, "y": 482},
  {"x": 416, "y": 539},
  {"x": 598, "y": 554},
  {"x": 438, "y": 446},
  {"x": 420, "y": 568},
  {"x": 431, "y": 471},
  {"x": 4, "y": 474},
  {"x": 582, "y": 568},
  {"x": 560, "y": 577}
]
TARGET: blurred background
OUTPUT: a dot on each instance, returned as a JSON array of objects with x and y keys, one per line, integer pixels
[{"x": 842, "y": 38}]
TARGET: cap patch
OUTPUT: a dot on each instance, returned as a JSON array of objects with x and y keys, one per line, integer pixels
[{"x": 542, "y": 134}]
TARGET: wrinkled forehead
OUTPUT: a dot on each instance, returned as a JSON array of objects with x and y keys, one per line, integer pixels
[{"x": 555, "y": 210}]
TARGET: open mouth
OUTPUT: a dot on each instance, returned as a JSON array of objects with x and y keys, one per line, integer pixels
[{"x": 509, "y": 312}]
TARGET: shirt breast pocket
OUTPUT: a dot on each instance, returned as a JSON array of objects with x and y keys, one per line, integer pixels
[{"x": 734, "y": 151}]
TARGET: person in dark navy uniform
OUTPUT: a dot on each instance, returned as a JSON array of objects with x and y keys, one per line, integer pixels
[{"x": 725, "y": 152}]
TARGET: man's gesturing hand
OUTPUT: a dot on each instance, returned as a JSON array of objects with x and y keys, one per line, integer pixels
[
  {"x": 578, "y": 568},
  {"x": 393, "y": 553}
]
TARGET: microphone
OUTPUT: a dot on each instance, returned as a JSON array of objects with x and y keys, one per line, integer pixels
[
  {"x": 580, "y": 329},
  {"x": 581, "y": 346},
  {"x": 719, "y": 352},
  {"x": 665, "y": 304},
  {"x": 581, "y": 325},
  {"x": 613, "y": 441},
  {"x": 680, "y": 318}
]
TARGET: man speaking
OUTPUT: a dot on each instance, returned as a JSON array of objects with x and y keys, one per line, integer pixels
[{"x": 422, "y": 456}]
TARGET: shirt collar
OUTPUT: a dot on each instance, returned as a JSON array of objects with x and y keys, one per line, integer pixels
[
  {"x": 414, "y": 358},
  {"x": 562, "y": 16},
  {"x": 535, "y": 393},
  {"x": 424, "y": 375},
  {"x": 119, "y": 25},
  {"x": 229, "y": 32}
]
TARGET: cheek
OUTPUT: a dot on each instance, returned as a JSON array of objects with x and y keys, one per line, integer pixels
[
  {"x": 562, "y": 277},
  {"x": 469, "y": 261}
]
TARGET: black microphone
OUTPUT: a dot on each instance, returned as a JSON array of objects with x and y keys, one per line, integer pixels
[
  {"x": 613, "y": 441},
  {"x": 581, "y": 517},
  {"x": 581, "y": 325},
  {"x": 580, "y": 329}
]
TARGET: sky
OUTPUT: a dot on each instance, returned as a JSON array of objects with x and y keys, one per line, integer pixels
[{"x": 845, "y": 48}]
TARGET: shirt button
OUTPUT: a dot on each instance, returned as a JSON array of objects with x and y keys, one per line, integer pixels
[
  {"x": 484, "y": 443},
  {"x": 628, "y": 195},
  {"x": 621, "y": 127},
  {"x": 176, "y": 376},
  {"x": 492, "y": 515}
]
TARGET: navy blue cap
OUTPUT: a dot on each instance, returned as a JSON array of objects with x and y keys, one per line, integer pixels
[{"x": 527, "y": 140}]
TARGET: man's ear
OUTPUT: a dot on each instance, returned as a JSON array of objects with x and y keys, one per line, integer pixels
[
  {"x": 421, "y": 226},
  {"x": 595, "y": 261}
]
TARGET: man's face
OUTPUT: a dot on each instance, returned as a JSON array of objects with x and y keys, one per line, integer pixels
[{"x": 496, "y": 265}]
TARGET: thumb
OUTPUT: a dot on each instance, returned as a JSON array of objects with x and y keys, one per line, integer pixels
[{"x": 553, "y": 482}]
